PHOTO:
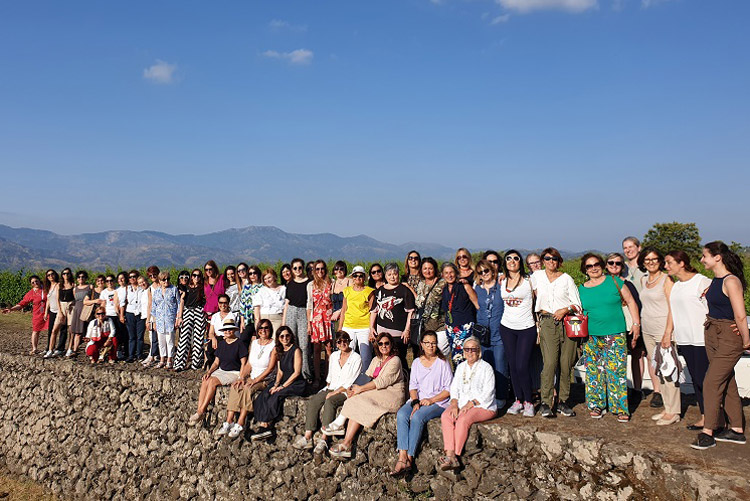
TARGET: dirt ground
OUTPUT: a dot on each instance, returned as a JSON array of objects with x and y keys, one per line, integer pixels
[
  {"x": 14, "y": 488},
  {"x": 671, "y": 442}
]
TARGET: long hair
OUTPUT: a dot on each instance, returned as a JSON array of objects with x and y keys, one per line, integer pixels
[
  {"x": 285, "y": 266},
  {"x": 320, "y": 283},
  {"x": 213, "y": 264},
  {"x": 70, "y": 274},
  {"x": 407, "y": 270},
  {"x": 732, "y": 261},
  {"x": 392, "y": 352},
  {"x": 370, "y": 280},
  {"x": 279, "y": 346},
  {"x": 682, "y": 257},
  {"x": 48, "y": 282},
  {"x": 521, "y": 267},
  {"x": 458, "y": 252},
  {"x": 236, "y": 277},
  {"x": 201, "y": 291}
]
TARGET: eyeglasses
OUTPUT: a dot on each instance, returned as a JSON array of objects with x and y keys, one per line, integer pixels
[
  {"x": 264, "y": 328},
  {"x": 372, "y": 272},
  {"x": 429, "y": 343},
  {"x": 343, "y": 341},
  {"x": 534, "y": 263},
  {"x": 413, "y": 258},
  {"x": 463, "y": 257},
  {"x": 384, "y": 343},
  {"x": 512, "y": 258},
  {"x": 485, "y": 272},
  {"x": 223, "y": 302},
  {"x": 471, "y": 350},
  {"x": 82, "y": 277},
  {"x": 614, "y": 263},
  {"x": 358, "y": 275},
  {"x": 595, "y": 265},
  {"x": 550, "y": 258},
  {"x": 651, "y": 260},
  {"x": 297, "y": 268}
]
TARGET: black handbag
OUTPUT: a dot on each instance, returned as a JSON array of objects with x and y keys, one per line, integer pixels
[{"x": 483, "y": 333}]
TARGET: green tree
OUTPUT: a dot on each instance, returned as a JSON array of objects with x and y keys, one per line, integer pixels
[{"x": 667, "y": 237}]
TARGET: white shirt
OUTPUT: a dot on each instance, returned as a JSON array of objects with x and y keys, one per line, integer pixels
[
  {"x": 52, "y": 299},
  {"x": 517, "y": 313},
  {"x": 143, "y": 300},
  {"x": 97, "y": 331},
  {"x": 342, "y": 377},
  {"x": 271, "y": 302},
  {"x": 109, "y": 302},
  {"x": 689, "y": 309},
  {"x": 259, "y": 357},
  {"x": 552, "y": 296},
  {"x": 218, "y": 322},
  {"x": 474, "y": 383},
  {"x": 122, "y": 295},
  {"x": 134, "y": 300}
]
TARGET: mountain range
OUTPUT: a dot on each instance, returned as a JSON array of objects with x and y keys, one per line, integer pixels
[{"x": 25, "y": 248}]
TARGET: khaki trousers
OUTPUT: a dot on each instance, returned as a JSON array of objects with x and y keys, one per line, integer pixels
[
  {"x": 724, "y": 349},
  {"x": 243, "y": 398},
  {"x": 558, "y": 351}
]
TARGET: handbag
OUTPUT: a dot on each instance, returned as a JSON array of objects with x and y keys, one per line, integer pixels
[
  {"x": 482, "y": 333},
  {"x": 87, "y": 312},
  {"x": 576, "y": 325}
]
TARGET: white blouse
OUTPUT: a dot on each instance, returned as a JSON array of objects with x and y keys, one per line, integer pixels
[
  {"x": 271, "y": 302},
  {"x": 555, "y": 295},
  {"x": 689, "y": 310},
  {"x": 474, "y": 383},
  {"x": 342, "y": 377},
  {"x": 259, "y": 357}
]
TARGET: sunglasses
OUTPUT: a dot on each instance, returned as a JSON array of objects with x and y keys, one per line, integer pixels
[
  {"x": 413, "y": 258},
  {"x": 595, "y": 265},
  {"x": 109, "y": 280},
  {"x": 132, "y": 276},
  {"x": 384, "y": 343},
  {"x": 50, "y": 274},
  {"x": 493, "y": 261},
  {"x": 372, "y": 272},
  {"x": 164, "y": 280},
  {"x": 297, "y": 268},
  {"x": 471, "y": 350},
  {"x": 285, "y": 336},
  {"x": 184, "y": 277},
  {"x": 82, "y": 277},
  {"x": 512, "y": 258},
  {"x": 223, "y": 302},
  {"x": 358, "y": 275},
  {"x": 253, "y": 273},
  {"x": 320, "y": 269},
  {"x": 651, "y": 260},
  {"x": 550, "y": 258},
  {"x": 614, "y": 263},
  {"x": 463, "y": 257},
  {"x": 343, "y": 341},
  {"x": 240, "y": 270},
  {"x": 66, "y": 273},
  {"x": 338, "y": 268},
  {"x": 264, "y": 328},
  {"x": 100, "y": 314},
  {"x": 196, "y": 275},
  {"x": 485, "y": 272}
]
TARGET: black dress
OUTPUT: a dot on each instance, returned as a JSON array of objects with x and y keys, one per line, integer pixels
[{"x": 267, "y": 407}]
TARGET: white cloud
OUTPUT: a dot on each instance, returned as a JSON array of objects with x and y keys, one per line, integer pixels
[
  {"x": 298, "y": 57},
  {"x": 500, "y": 19},
  {"x": 526, "y": 6},
  {"x": 160, "y": 72},
  {"x": 279, "y": 24}
]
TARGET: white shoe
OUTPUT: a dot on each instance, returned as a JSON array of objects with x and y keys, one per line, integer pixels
[
  {"x": 69, "y": 353},
  {"x": 303, "y": 443},
  {"x": 333, "y": 430},
  {"x": 235, "y": 431},
  {"x": 516, "y": 408},
  {"x": 147, "y": 361},
  {"x": 657, "y": 417},
  {"x": 225, "y": 427},
  {"x": 48, "y": 354}
]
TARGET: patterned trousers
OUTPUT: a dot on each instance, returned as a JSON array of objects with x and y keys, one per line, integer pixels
[
  {"x": 607, "y": 373},
  {"x": 192, "y": 333}
]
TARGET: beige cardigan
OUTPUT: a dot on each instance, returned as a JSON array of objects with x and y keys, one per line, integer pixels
[{"x": 388, "y": 396}]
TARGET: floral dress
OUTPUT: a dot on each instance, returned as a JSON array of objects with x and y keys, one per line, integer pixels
[
  {"x": 322, "y": 311},
  {"x": 246, "y": 302}
]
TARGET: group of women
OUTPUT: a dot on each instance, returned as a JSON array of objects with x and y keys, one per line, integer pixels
[{"x": 269, "y": 338}]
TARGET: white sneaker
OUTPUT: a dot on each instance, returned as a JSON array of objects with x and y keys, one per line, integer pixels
[
  {"x": 69, "y": 353},
  {"x": 48, "y": 354},
  {"x": 515, "y": 408},
  {"x": 57, "y": 353},
  {"x": 235, "y": 431},
  {"x": 528, "y": 409},
  {"x": 225, "y": 427},
  {"x": 303, "y": 443}
]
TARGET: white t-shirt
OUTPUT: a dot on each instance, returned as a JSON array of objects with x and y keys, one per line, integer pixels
[
  {"x": 122, "y": 295},
  {"x": 52, "y": 299},
  {"x": 143, "y": 300},
  {"x": 134, "y": 300},
  {"x": 218, "y": 322},
  {"x": 689, "y": 310},
  {"x": 109, "y": 302},
  {"x": 517, "y": 313},
  {"x": 259, "y": 357},
  {"x": 271, "y": 302}
]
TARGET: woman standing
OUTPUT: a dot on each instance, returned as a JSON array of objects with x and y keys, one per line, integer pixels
[
  {"x": 319, "y": 313},
  {"x": 688, "y": 310},
  {"x": 166, "y": 314},
  {"x": 147, "y": 298},
  {"x": 66, "y": 303},
  {"x": 340, "y": 282},
  {"x": 355, "y": 314},
  {"x": 534, "y": 262},
  {"x": 726, "y": 311},
  {"x": 295, "y": 313},
  {"x": 465, "y": 266},
  {"x": 605, "y": 352},
  {"x": 193, "y": 328},
  {"x": 213, "y": 286},
  {"x": 270, "y": 299},
  {"x": 412, "y": 274},
  {"x": 518, "y": 330},
  {"x": 232, "y": 289},
  {"x": 132, "y": 315},
  {"x": 52, "y": 307},
  {"x": 392, "y": 308},
  {"x": 142, "y": 318},
  {"x": 655, "y": 289},
  {"x": 556, "y": 296},
  {"x": 377, "y": 278},
  {"x": 428, "y": 297},
  {"x": 459, "y": 302},
  {"x": 286, "y": 273},
  {"x": 77, "y": 328},
  {"x": 111, "y": 303},
  {"x": 489, "y": 313},
  {"x": 121, "y": 327},
  {"x": 38, "y": 301},
  {"x": 249, "y": 283}
]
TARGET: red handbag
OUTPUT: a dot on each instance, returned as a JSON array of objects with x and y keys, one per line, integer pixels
[{"x": 576, "y": 325}]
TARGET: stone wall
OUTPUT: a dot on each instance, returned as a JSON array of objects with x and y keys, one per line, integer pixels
[{"x": 108, "y": 432}]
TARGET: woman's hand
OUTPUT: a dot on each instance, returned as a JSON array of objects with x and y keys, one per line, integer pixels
[
  {"x": 560, "y": 314},
  {"x": 336, "y": 315},
  {"x": 454, "y": 410},
  {"x": 214, "y": 343},
  {"x": 635, "y": 330},
  {"x": 275, "y": 389},
  {"x": 466, "y": 408},
  {"x": 406, "y": 335},
  {"x": 206, "y": 376},
  {"x": 373, "y": 335},
  {"x": 666, "y": 341},
  {"x": 45, "y": 317},
  {"x": 425, "y": 402}
]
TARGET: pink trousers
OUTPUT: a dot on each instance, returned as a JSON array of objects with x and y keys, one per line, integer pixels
[{"x": 456, "y": 431}]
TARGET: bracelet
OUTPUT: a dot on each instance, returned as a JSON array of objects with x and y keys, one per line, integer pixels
[{"x": 636, "y": 324}]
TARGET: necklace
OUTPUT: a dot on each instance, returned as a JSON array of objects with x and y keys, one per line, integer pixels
[
  {"x": 471, "y": 371},
  {"x": 649, "y": 281}
]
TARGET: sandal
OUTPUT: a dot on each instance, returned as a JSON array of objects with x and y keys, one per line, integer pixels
[
  {"x": 445, "y": 463},
  {"x": 340, "y": 451},
  {"x": 596, "y": 413},
  {"x": 623, "y": 418},
  {"x": 397, "y": 472}
]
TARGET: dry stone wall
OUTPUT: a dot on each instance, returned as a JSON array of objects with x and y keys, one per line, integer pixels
[{"x": 108, "y": 433}]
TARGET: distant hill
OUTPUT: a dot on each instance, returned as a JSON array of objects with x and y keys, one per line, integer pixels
[{"x": 31, "y": 249}]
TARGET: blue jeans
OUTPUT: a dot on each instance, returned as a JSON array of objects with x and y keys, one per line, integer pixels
[
  {"x": 154, "y": 351},
  {"x": 136, "y": 329},
  {"x": 494, "y": 354},
  {"x": 409, "y": 428}
]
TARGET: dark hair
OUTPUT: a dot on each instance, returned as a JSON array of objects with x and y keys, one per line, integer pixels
[
  {"x": 309, "y": 270},
  {"x": 153, "y": 270},
  {"x": 392, "y": 351},
  {"x": 258, "y": 271},
  {"x": 266, "y": 321},
  {"x": 298, "y": 260},
  {"x": 682, "y": 257},
  {"x": 405, "y": 276},
  {"x": 36, "y": 277},
  {"x": 437, "y": 351},
  {"x": 285, "y": 266},
  {"x": 490, "y": 252},
  {"x": 431, "y": 261},
  {"x": 226, "y": 280},
  {"x": 47, "y": 281},
  {"x": 554, "y": 253},
  {"x": 134, "y": 272},
  {"x": 279, "y": 346},
  {"x": 213, "y": 264},
  {"x": 70, "y": 274},
  {"x": 341, "y": 264},
  {"x": 123, "y": 274},
  {"x": 731, "y": 260},
  {"x": 370, "y": 280},
  {"x": 201, "y": 291},
  {"x": 645, "y": 252},
  {"x": 102, "y": 277},
  {"x": 521, "y": 267},
  {"x": 84, "y": 273},
  {"x": 339, "y": 334},
  {"x": 588, "y": 256},
  {"x": 221, "y": 296},
  {"x": 183, "y": 272}
]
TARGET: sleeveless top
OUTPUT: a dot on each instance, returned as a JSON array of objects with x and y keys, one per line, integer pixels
[
  {"x": 66, "y": 295},
  {"x": 259, "y": 357},
  {"x": 655, "y": 307},
  {"x": 719, "y": 306}
]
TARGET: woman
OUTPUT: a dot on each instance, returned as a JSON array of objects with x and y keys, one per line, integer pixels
[
  {"x": 724, "y": 347},
  {"x": 261, "y": 362},
  {"x": 37, "y": 298},
  {"x": 232, "y": 289},
  {"x": 166, "y": 313},
  {"x": 215, "y": 326},
  {"x": 341, "y": 281},
  {"x": 556, "y": 297},
  {"x": 344, "y": 368},
  {"x": 52, "y": 306},
  {"x": 121, "y": 327},
  {"x": 213, "y": 286},
  {"x": 465, "y": 266},
  {"x": 286, "y": 273},
  {"x": 605, "y": 353},
  {"x": 231, "y": 357},
  {"x": 132, "y": 315},
  {"x": 655, "y": 289},
  {"x": 147, "y": 295},
  {"x": 366, "y": 403},
  {"x": 183, "y": 280},
  {"x": 249, "y": 283},
  {"x": 412, "y": 270},
  {"x": 392, "y": 308},
  {"x": 493, "y": 257},
  {"x": 355, "y": 314},
  {"x": 101, "y": 335},
  {"x": 687, "y": 310},
  {"x": 534, "y": 262},
  {"x": 319, "y": 313},
  {"x": 472, "y": 400},
  {"x": 489, "y": 313},
  {"x": 270, "y": 299},
  {"x": 518, "y": 330},
  {"x": 269, "y": 404},
  {"x": 376, "y": 277},
  {"x": 77, "y": 326},
  {"x": 295, "y": 313},
  {"x": 429, "y": 389},
  {"x": 193, "y": 325},
  {"x": 142, "y": 318},
  {"x": 66, "y": 304},
  {"x": 459, "y": 302},
  {"x": 428, "y": 297},
  {"x": 636, "y": 349}
]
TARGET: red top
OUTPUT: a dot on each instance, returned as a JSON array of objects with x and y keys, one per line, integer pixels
[{"x": 38, "y": 300}]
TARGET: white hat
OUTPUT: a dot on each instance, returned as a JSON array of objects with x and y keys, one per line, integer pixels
[
  {"x": 357, "y": 269},
  {"x": 228, "y": 325}
]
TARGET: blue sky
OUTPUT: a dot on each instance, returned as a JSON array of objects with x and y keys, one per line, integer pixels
[{"x": 481, "y": 123}]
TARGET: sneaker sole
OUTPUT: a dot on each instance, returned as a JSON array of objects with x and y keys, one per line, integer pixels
[
  {"x": 261, "y": 436},
  {"x": 333, "y": 433},
  {"x": 702, "y": 447},
  {"x": 730, "y": 441}
]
